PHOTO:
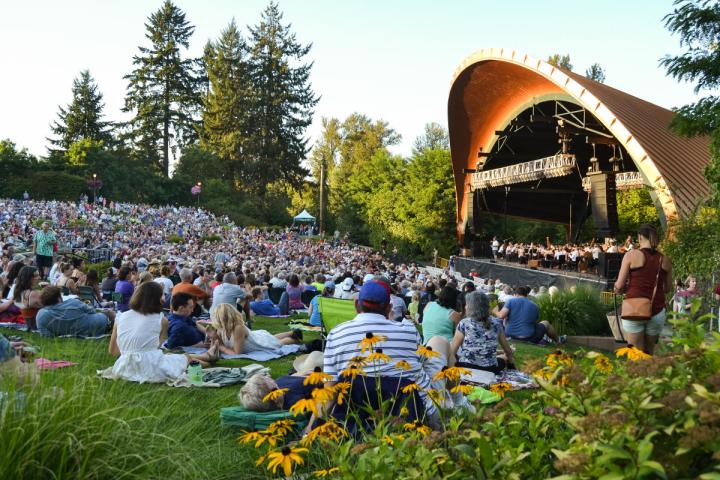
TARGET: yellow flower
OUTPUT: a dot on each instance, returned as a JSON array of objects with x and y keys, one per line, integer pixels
[
  {"x": 328, "y": 430},
  {"x": 304, "y": 405},
  {"x": 359, "y": 361},
  {"x": 435, "y": 395},
  {"x": 403, "y": 365},
  {"x": 426, "y": 352},
  {"x": 454, "y": 373},
  {"x": 500, "y": 388},
  {"x": 410, "y": 426},
  {"x": 370, "y": 340},
  {"x": 341, "y": 389},
  {"x": 286, "y": 458},
  {"x": 632, "y": 353},
  {"x": 388, "y": 440},
  {"x": 603, "y": 364},
  {"x": 562, "y": 380},
  {"x": 274, "y": 395},
  {"x": 410, "y": 388},
  {"x": 324, "y": 394},
  {"x": 424, "y": 430},
  {"x": 316, "y": 377},
  {"x": 326, "y": 472},
  {"x": 281, "y": 427},
  {"x": 559, "y": 358},
  {"x": 259, "y": 438},
  {"x": 404, "y": 412},
  {"x": 260, "y": 460},
  {"x": 378, "y": 356},
  {"x": 542, "y": 374},
  {"x": 465, "y": 389},
  {"x": 353, "y": 371}
]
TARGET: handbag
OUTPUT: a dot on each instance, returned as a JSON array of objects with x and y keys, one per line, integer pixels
[{"x": 640, "y": 308}]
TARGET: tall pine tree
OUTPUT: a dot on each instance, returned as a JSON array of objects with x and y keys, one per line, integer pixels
[
  {"x": 227, "y": 122},
  {"x": 82, "y": 118},
  {"x": 283, "y": 105},
  {"x": 163, "y": 89}
]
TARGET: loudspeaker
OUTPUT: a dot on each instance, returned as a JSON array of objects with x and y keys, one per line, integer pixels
[
  {"x": 604, "y": 203},
  {"x": 609, "y": 265}
]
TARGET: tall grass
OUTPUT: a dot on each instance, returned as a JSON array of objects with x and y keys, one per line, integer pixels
[
  {"x": 576, "y": 311},
  {"x": 77, "y": 431}
]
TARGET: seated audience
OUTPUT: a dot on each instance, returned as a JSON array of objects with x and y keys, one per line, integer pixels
[
  {"x": 68, "y": 317},
  {"x": 66, "y": 281},
  {"x": 293, "y": 295},
  {"x": 107, "y": 287},
  {"x": 228, "y": 292},
  {"x": 521, "y": 319},
  {"x": 478, "y": 335},
  {"x": 314, "y": 308},
  {"x": 26, "y": 295},
  {"x": 125, "y": 288},
  {"x": 261, "y": 306},
  {"x": 186, "y": 286},
  {"x": 345, "y": 289},
  {"x": 440, "y": 317}
]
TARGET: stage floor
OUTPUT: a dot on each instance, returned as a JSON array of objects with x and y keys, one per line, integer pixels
[{"x": 515, "y": 275}]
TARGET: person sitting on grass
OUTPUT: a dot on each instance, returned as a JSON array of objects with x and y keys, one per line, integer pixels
[
  {"x": 182, "y": 330},
  {"x": 314, "y": 308},
  {"x": 136, "y": 339},
  {"x": 186, "y": 286},
  {"x": 66, "y": 280},
  {"x": 69, "y": 317},
  {"x": 261, "y": 306},
  {"x": 252, "y": 394},
  {"x": 235, "y": 338},
  {"x": 125, "y": 288},
  {"x": 478, "y": 335},
  {"x": 521, "y": 319}
]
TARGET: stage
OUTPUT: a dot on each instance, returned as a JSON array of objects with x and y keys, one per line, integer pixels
[{"x": 514, "y": 274}]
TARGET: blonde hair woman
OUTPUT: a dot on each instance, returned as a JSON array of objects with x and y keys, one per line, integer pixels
[{"x": 236, "y": 338}]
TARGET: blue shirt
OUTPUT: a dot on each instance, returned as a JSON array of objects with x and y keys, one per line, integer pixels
[
  {"x": 522, "y": 317},
  {"x": 264, "y": 307},
  {"x": 182, "y": 332},
  {"x": 315, "y": 317}
]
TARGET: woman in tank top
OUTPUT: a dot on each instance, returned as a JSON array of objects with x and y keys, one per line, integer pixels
[{"x": 641, "y": 269}]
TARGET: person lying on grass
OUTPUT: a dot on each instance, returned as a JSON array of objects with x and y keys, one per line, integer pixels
[
  {"x": 235, "y": 338},
  {"x": 70, "y": 317},
  {"x": 136, "y": 339},
  {"x": 182, "y": 329}
]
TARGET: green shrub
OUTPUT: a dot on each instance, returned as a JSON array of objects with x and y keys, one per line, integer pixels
[
  {"x": 175, "y": 239},
  {"x": 577, "y": 311},
  {"x": 211, "y": 238},
  {"x": 100, "y": 267}
]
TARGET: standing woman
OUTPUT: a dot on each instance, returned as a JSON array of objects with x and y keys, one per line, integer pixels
[{"x": 645, "y": 273}]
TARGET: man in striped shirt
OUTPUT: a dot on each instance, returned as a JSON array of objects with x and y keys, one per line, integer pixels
[{"x": 403, "y": 340}]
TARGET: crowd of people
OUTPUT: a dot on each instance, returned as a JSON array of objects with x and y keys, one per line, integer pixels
[{"x": 181, "y": 277}]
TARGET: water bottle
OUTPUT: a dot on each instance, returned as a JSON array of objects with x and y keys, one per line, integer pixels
[{"x": 194, "y": 371}]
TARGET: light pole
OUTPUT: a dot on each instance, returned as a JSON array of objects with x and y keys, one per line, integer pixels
[
  {"x": 199, "y": 185},
  {"x": 94, "y": 187}
]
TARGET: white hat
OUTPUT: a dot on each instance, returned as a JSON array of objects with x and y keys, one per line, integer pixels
[
  {"x": 347, "y": 284},
  {"x": 308, "y": 362},
  {"x": 368, "y": 277}
]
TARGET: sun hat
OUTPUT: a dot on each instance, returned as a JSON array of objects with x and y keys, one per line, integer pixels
[
  {"x": 308, "y": 362},
  {"x": 347, "y": 284},
  {"x": 375, "y": 292}
]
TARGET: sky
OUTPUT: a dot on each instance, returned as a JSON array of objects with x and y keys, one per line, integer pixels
[{"x": 388, "y": 59}]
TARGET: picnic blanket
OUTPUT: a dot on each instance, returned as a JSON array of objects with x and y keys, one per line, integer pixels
[
  {"x": 44, "y": 363},
  {"x": 13, "y": 325},
  {"x": 304, "y": 326},
  {"x": 515, "y": 378},
  {"x": 217, "y": 377},
  {"x": 257, "y": 356}
]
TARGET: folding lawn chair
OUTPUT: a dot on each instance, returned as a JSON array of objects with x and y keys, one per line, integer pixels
[
  {"x": 87, "y": 294},
  {"x": 274, "y": 294},
  {"x": 307, "y": 296},
  {"x": 333, "y": 312}
]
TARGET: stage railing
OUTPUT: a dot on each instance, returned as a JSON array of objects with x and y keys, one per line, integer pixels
[{"x": 548, "y": 167}]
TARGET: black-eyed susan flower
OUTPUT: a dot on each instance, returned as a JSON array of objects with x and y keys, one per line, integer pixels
[
  {"x": 358, "y": 361},
  {"x": 500, "y": 388},
  {"x": 632, "y": 353},
  {"x": 427, "y": 352},
  {"x": 603, "y": 364},
  {"x": 388, "y": 440},
  {"x": 342, "y": 389},
  {"x": 259, "y": 438},
  {"x": 404, "y": 412},
  {"x": 328, "y": 431},
  {"x": 286, "y": 458},
  {"x": 410, "y": 426},
  {"x": 378, "y": 356},
  {"x": 249, "y": 437},
  {"x": 410, "y": 388},
  {"x": 542, "y": 374},
  {"x": 323, "y": 394},
  {"x": 423, "y": 430},
  {"x": 370, "y": 341},
  {"x": 559, "y": 358},
  {"x": 281, "y": 427},
  {"x": 403, "y": 365},
  {"x": 353, "y": 371},
  {"x": 440, "y": 375},
  {"x": 464, "y": 389},
  {"x": 454, "y": 373},
  {"x": 274, "y": 394},
  {"x": 316, "y": 377},
  {"x": 304, "y": 405},
  {"x": 435, "y": 395},
  {"x": 325, "y": 472}
]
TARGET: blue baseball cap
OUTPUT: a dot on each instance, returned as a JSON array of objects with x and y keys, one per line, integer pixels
[
  {"x": 375, "y": 292},
  {"x": 330, "y": 284}
]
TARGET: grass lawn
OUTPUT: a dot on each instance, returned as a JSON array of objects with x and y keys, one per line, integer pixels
[{"x": 188, "y": 416}]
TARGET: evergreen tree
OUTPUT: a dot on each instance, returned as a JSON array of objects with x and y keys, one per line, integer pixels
[
  {"x": 434, "y": 138},
  {"x": 82, "y": 118},
  {"x": 227, "y": 122},
  {"x": 163, "y": 89},
  {"x": 697, "y": 22},
  {"x": 284, "y": 102},
  {"x": 560, "y": 61},
  {"x": 595, "y": 72}
]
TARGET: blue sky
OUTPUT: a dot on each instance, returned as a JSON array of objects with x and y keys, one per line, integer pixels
[{"x": 390, "y": 59}]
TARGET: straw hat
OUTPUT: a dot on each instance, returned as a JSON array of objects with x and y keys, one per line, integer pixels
[{"x": 307, "y": 363}]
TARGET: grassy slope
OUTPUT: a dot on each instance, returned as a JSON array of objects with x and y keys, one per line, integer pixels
[{"x": 189, "y": 415}]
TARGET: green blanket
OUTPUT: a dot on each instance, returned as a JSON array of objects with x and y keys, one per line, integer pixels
[{"x": 249, "y": 420}]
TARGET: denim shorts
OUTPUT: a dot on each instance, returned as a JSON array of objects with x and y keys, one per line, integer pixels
[{"x": 650, "y": 327}]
